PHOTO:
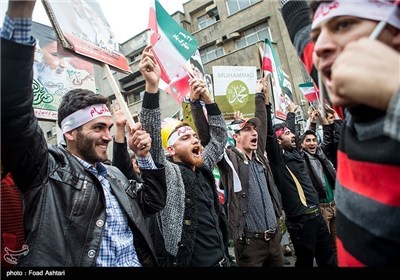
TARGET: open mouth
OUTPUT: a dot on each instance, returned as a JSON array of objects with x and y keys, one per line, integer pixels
[
  {"x": 254, "y": 141},
  {"x": 327, "y": 73},
  {"x": 312, "y": 149},
  {"x": 196, "y": 151}
]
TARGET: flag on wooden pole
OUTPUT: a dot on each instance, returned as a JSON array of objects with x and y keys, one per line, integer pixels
[
  {"x": 179, "y": 87},
  {"x": 271, "y": 66},
  {"x": 310, "y": 92},
  {"x": 172, "y": 45}
]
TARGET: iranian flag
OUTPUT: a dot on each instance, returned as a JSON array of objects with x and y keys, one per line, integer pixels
[
  {"x": 172, "y": 45},
  {"x": 267, "y": 60},
  {"x": 272, "y": 65},
  {"x": 178, "y": 88},
  {"x": 310, "y": 91}
]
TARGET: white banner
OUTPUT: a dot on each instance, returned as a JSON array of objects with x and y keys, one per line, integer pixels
[{"x": 234, "y": 89}]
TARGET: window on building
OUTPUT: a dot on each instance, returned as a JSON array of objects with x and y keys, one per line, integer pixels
[
  {"x": 49, "y": 134},
  {"x": 135, "y": 57},
  {"x": 209, "y": 18},
  {"x": 211, "y": 53},
  {"x": 133, "y": 97},
  {"x": 235, "y": 6},
  {"x": 253, "y": 35}
]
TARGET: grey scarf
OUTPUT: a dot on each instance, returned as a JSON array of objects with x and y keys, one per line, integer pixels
[{"x": 172, "y": 214}]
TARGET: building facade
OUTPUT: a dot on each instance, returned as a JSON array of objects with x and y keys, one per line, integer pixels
[{"x": 229, "y": 33}]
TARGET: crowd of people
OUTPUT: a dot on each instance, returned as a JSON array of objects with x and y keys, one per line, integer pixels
[{"x": 337, "y": 197}]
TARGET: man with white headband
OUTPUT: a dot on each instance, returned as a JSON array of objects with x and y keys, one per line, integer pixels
[
  {"x": 191, "y": 230},
  {"x": 361, "y": 72},
  {"x": 78, "y": 212}
]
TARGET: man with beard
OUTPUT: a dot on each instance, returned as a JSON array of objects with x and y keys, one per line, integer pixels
[
  {"x": 191, "y": 230},
  {"x": 306, "y": 227},
  {"x": 77, "y": 211}
]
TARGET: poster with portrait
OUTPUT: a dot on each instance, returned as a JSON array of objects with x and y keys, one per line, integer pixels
[
  {"x": 56, "y": 72},
  {"x": 179, "y": 88},
  {"x": 195, "y": 66},
  {"x": 196, "y": 69},
  {"x": 82, "y": 27},
  {"x": 235, "y": 89}
]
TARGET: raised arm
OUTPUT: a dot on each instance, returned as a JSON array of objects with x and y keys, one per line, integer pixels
[
  {"x": 21, "y": 9},
  {"x": 291, "y": 122},
  {"x": 150, "y": 115},
  {"x": 296, "y": 15},
  {"x": 262, "y": 99},
  {"x": 274, "y": 152},
  {"x": 23, "y": 145},
  {"x": 198, "y": 116},
  {"x": 214, "y": 149}
]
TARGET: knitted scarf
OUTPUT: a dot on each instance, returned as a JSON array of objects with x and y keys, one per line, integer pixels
[{"x": 172, "y": 214}]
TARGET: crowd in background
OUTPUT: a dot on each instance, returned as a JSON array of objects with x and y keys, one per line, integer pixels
[{"x": 337, "y": 197}]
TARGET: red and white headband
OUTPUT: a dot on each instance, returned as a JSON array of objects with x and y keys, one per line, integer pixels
[
  {"x": 83, "y": 116},
  {"x": 180, "y": 132},
  {"x": 279, "y": 132},
  {"x": 377, "y": 10}
]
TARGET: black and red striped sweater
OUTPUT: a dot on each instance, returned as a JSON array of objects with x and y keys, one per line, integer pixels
[
  {"x": 367, "y": 192},
  {"x": 367, "y": 189}
]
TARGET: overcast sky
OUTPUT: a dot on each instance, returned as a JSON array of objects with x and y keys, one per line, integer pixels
[{"x": 126, "y": 17}]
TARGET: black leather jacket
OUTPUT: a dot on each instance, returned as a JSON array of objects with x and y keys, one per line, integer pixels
[{"x": 64, "y": 204}]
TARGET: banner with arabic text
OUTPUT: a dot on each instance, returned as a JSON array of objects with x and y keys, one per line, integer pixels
[{"x": 235, "y": 89}]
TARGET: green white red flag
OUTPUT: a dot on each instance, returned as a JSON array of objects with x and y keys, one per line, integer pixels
[
  {"x": 266, "y": 61},
  {"x": 172, "y": 45},
  {"x": 179, "y": 87},
  {"x": 310, "y": 92},
  {"x": 271, "y": 65}
]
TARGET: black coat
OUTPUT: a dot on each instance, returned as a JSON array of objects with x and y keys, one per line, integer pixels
[{"x": 64, "y": 204}]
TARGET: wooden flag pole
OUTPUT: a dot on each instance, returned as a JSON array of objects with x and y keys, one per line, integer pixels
[{"x": 118, "y": 95}]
